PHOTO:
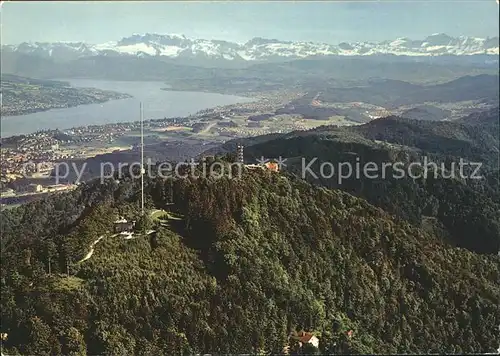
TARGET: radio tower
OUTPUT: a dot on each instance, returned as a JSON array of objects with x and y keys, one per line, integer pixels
[
  {"x": 142, "y": 160},
  {"x": 239, "y": 154}
]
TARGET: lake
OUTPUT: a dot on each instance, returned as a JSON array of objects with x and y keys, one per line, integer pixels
[{"x": 157, "y": 105}]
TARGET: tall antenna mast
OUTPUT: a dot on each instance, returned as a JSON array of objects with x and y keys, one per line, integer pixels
[{"x": 142, "y": 161}]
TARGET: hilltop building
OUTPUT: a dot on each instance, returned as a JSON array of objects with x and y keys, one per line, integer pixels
[
  {"x": 122, "y": 225},
  {"x": 271, "y": 165}
]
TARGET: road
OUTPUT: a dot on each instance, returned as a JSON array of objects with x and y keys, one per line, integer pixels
[{"x": 91, "y": 252}]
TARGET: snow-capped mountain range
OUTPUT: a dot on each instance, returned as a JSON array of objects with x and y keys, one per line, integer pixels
[{"x": 257, "y": 49}]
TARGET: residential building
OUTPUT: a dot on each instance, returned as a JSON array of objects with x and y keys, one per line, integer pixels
[
  {"x": 306, "y": 338},
  {"x": 122, "y": 225}
]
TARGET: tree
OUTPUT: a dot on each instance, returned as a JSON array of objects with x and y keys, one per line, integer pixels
[
  {"x": 143, "y": 224},
  {"x": 74, "y": 343},
  {"x": 37, "y": 337},
  {"x": 309, "y": 349}
]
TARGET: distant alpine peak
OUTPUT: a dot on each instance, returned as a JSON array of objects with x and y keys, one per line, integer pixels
[{"x": 258, "y": 48}]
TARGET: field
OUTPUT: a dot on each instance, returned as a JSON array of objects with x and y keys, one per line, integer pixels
[{"x": 158, "y": 215}]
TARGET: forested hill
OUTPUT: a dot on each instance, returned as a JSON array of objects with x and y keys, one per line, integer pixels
[
  {"x": 486, "y": 120},
  {"x": 243, "y": 263},
  {"x": 463, "y": 212},
  {"x": 474, "y": 137}
]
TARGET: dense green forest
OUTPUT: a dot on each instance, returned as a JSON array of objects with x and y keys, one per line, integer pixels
[
  {"x": 463, "y": 212},
  {"x": 236, "y": 265},
  {"x": 246, "y": 262}
]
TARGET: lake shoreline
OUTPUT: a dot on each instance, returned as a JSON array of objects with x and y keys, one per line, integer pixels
[
  {"x": 34, "y": 111},
  {"x": 159, "y": 102}
]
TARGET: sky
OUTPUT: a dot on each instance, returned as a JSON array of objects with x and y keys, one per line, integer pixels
[{"x": 329, "y": 22}]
